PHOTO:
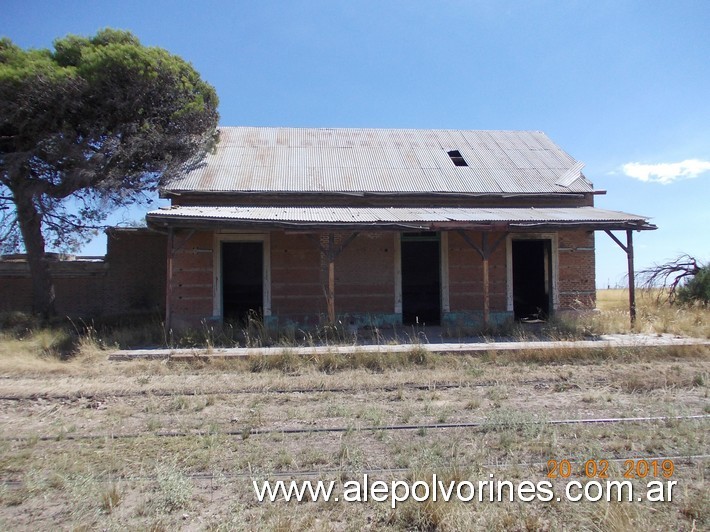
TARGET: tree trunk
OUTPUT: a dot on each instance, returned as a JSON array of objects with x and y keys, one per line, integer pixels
[{"x": 30, "y": 222}]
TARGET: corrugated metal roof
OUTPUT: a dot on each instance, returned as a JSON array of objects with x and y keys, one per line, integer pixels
[
  {"x": 258, "y": 159},
  {"x": 397, "y": 215}
]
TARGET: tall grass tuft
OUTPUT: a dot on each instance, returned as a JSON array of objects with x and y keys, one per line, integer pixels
[{"x": 174, "y": 487}]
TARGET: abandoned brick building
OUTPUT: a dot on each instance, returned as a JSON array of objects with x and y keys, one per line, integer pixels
[
  {"x": 382, "y": 226},
  {"x": 365, "y": 226}
]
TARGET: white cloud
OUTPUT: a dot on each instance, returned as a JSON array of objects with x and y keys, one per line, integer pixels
[{"x": 666, "y": 173}]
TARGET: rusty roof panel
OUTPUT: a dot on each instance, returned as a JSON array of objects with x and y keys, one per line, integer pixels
[{"x": 251, "y": 159}]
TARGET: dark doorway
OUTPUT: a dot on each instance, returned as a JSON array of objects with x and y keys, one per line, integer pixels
[
  {"x": 532, "y": 279},
  {"x": 421, "y": 293},
  {"x": 242, "y": 280}
]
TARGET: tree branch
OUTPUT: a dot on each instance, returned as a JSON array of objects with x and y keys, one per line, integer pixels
[{"x": 670, "y": 276}]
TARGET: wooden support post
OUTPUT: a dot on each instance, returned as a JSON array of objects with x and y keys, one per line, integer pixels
[
  {"x": 331, "y": 292},
  {"x": 632, "y": 280},
  {"x": 330, "y": 252},
  {"x": 485, "y": 251},
  {"x": 629, "y": 249},
  {"x": 486, "y": 297},
  {"x": 331, "y": 278},
  {"x": 169, "y": 283}
]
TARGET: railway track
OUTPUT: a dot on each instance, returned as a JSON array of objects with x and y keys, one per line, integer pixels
[
  {"x": 433, "y": 386},
  {"x": 249, "y": 431}
]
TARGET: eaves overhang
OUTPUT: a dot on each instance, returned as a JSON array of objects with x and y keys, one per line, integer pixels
[{"x": 395, "y": 218}]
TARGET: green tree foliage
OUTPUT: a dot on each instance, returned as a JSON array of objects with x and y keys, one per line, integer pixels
[
  {"x": 98, "y": 122},
  {"x": 697, "y": 289}
]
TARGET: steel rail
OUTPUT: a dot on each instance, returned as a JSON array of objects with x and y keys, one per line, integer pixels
[
  {"x": 246, "y": 431},
  {"x": 387, "y": 388}
]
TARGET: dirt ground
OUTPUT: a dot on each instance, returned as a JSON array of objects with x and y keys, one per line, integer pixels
[{"x": 162, "y": 445}]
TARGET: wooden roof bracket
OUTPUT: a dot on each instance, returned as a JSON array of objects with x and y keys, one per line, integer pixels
[
  {"x": 485, "y": 251},
  {"x": 331, "y": 252}
]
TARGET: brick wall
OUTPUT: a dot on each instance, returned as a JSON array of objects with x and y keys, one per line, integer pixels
[
  {"x": 129, "y": 279},
  {"x": 364, "y": 275},
  {"x": 136, "y": 271},
  {"x": 466, "y": 274},
  {"x": 190, "y": 278},
  {"x": 296, "y": 286},
  {"x": 576, "y": 276},
  {"x": 132, "y": 276}
]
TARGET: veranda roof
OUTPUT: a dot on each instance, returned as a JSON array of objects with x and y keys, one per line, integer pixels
[{"x": 397, "y": 218}]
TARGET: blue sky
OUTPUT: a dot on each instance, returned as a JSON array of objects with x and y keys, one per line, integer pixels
[{"x": 623, "y": 86}]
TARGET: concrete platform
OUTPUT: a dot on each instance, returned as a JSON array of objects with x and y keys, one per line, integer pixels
[{"x": 468, "y": 347}]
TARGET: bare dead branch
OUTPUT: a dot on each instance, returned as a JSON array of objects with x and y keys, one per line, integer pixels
[{"x": 670, "y": 276}]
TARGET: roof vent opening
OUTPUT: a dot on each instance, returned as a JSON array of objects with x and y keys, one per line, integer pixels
[{"x": 456, "y": 158}]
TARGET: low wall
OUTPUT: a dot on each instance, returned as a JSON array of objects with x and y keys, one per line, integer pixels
[{"x": 129, "y": 279}]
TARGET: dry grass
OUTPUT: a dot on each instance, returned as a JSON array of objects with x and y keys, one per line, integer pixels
[
  {"x": 26, "y": 346},
  {"x": 128, "y": 483},
  {"x": 66, "y": 471},
  {"x": 652, "y": 316},
  {"x": 55, "y": 351}
]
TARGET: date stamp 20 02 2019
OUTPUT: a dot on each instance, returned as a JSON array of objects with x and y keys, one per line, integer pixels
[{"x": 633, "y": 469}]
